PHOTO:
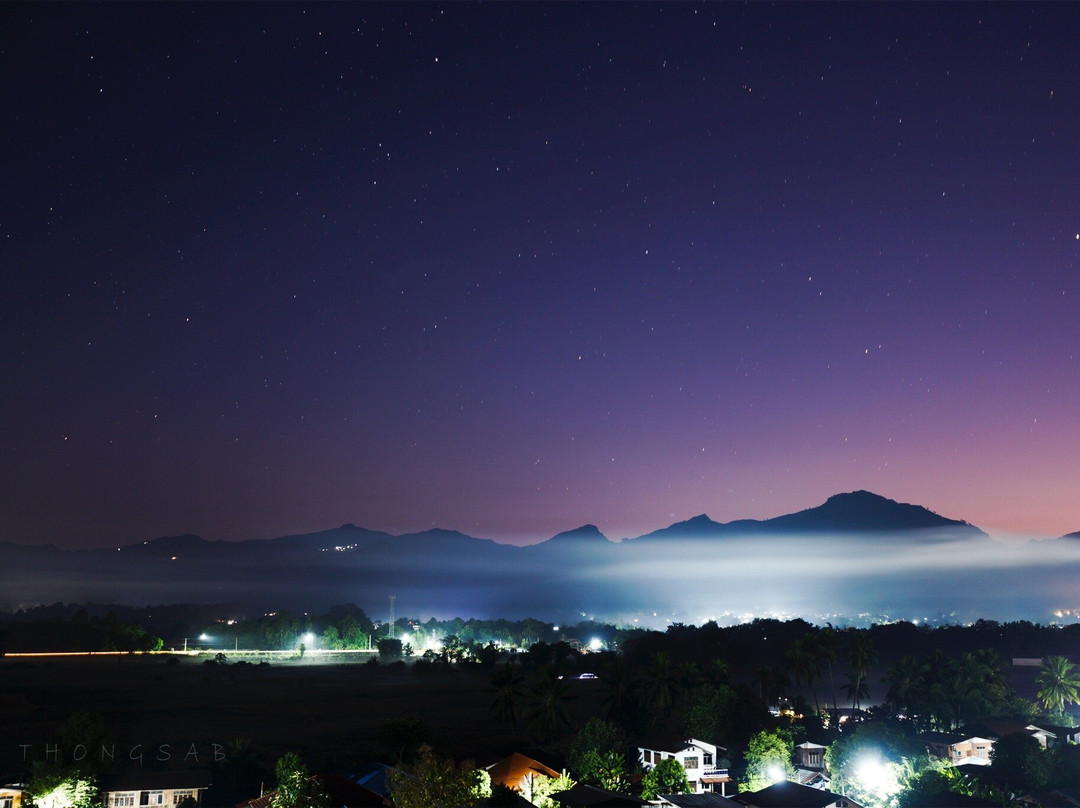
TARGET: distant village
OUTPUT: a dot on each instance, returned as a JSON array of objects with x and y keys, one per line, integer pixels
[{"x": 767, "y": 713}]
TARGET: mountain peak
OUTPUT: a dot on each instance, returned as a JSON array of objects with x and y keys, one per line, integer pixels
[
  {"x": 580, "y": 535},
  {"x": 865, "y": 511}
]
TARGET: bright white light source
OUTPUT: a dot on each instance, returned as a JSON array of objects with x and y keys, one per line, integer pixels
[{"x": 595, "y": 644}]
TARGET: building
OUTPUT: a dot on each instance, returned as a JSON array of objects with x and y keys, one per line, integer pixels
[
  {"x": 147, "y": 788},
  {"x": 520, "y": 773},
  {"x": 792, "y": 795},
  {"x": 13, "y": 796},
  {"x": 700, "y": 759}
]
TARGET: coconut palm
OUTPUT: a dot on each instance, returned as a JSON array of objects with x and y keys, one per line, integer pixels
[
  {"x": 827, "y": 651},
  {"x": 1058, "y": 683},
  {"x": 861, "y": 658},
  {"x": 906, "y": 679},
  {"x": 506, "y": 684},
  {"x": 661, "y": 685},
  {"x": 804, "y": 666},
  {"x": 548, "y": 711},
  {"x": 617, "y": 683}
]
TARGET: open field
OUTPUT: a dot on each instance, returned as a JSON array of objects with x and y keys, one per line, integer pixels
[{"x": 328, "y": 711}]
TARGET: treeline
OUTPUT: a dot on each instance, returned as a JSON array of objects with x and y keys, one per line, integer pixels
[
  {"x": 347, "y": 627},
  {"x": 80, "y": 632}
]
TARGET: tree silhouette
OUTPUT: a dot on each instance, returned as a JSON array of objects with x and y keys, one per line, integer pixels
[
  {"x": 548, "y": 713},
  {"x": 506, "y": 683},
  {"x": 861, "y": 658},
  {"x": 661, "y": 685}
]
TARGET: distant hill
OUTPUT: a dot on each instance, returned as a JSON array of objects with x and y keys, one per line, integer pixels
[
  {"x": 863, "y": 511},
  {"x": 860, "y": 512},
  {"x": 857, "y": 553}
]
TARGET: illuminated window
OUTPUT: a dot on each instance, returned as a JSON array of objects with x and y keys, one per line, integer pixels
[
  {"x": 152, "y": 798},
  {"x": 122, "y": 799},
  {"x": 179, "y": 796},
  {"x": 690, "y": 762}
]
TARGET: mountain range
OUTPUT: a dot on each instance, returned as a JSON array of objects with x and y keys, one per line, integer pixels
[{"x": 856, "y": 554}]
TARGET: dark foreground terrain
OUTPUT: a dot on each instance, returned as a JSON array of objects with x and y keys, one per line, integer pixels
[{"x": 334, "y": 714}]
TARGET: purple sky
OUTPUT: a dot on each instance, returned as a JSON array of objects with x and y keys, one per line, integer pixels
[{"x": 508, "y": 269}]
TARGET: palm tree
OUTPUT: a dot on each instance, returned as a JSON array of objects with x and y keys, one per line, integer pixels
[
  {"x": 661, "y": 685},
  {"x": 506, "y": 684},
  {"x": 861, "y": 658},
  {"x": 827, "y": 648},
  {"x": 548, "y": 712},
  {"x": 1058, "y": 683},
  {"x": 804, "y": 666},
  {"x": 906, "y": 680},
  {"x": 617, "y": 682}
]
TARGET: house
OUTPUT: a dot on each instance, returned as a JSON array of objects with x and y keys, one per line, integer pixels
[
  {"x": 519, "y": 772},
  {"x": 792, "y": 795},
  {"x": 695, "y": 801},
  {"x": 1063, "y": 734},
  {"x": 149, "y": 788},
  {"x": 372, "y": 775},
  {"x": 810, "y": 765},
  {"x": 13, "y": 796},
  {"x": 810, "y": 755},
  {"x": 999, "y": 729},
  {"x": 583, "y": 796},
  {"x": 959, "y": 748},
  {"x": 700, "y": 759}
]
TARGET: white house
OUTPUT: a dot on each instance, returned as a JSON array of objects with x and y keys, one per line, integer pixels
[
  {"x": 700, "y": 759},
  {"x": 169, "y": 789}
]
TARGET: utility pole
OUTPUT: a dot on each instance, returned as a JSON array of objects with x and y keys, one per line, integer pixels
[{"x": 392, "y": 597}]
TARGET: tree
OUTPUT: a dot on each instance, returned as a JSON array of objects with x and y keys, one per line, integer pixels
[
  {"x": 617, "y": 683},
  {"x": 296, "y": 787},
  {"x": 804, "y": 665},
  {"x": 1058, "y": 683},
  {"x": 1019, "y": 763},
  {"x": 906, "y": 679},
  {"x": 390, "y": 648},
  {"x": 548, "y": 713},
  {"x": 826, "y": 648},
  {"x": 62, "y": 788},
  {"x": 666, "y": 777},
  {"x": 597, "y": 756},
  {"x": 661, "y": 685},
  {"x": 861, "y": 658},
  {"x": 506, "y": 685},
  {"x": 400, "y": 739},
  {"x": 437, "y": 783},
  {"x": 538, "y": 789},
  {"x": 705, "y": 712},
  {"x": 867, "y": 764},
  {"x": 768, "y": 759}
]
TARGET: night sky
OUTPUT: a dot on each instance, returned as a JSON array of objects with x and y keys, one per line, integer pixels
[{"x": 509, "y": 269}]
